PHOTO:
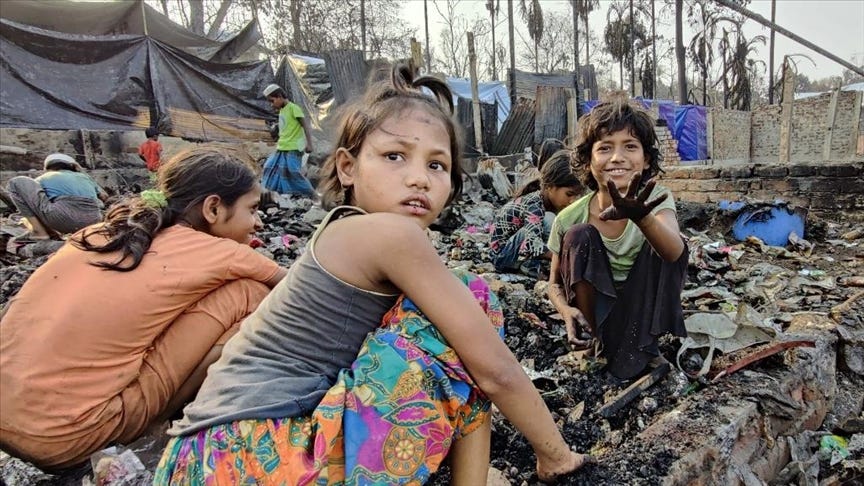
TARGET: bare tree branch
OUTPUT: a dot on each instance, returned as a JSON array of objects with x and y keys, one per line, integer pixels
[
  {"x": 216, "y": 25},
  {"x": 196, "y": 16}
]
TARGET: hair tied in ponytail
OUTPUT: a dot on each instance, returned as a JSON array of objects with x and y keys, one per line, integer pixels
[{"x": 154, "y": 198}]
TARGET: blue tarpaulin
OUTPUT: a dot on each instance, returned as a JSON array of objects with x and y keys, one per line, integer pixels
[
  {"x": 772, "y": 223},
  {"x": 691, "y": 132},
  {"x": 688, "y": 125},
  {"x": 491, "y": 92}
]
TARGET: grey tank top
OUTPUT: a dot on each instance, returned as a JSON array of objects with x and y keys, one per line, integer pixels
[{"x": 288, "y": 352}]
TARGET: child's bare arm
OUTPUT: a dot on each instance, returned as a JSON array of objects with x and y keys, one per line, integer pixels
[
  {"x": 573, "y": 317},
  {"x": 407, "y": 259},
  {"x": 307, "y": 132},
  {"x": 662, "y": 232}
]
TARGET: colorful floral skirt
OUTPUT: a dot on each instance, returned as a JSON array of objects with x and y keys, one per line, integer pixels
[{"x": 389, "y": 419}]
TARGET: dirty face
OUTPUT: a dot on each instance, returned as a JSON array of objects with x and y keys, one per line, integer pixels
[
  {"x": 240, "y": 221},
  {"x": 402, "y": 167},
  {"x": 616, "y": 157},
  {"x": 560, "y": 197}
]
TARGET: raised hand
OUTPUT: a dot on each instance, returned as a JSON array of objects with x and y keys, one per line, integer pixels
[{"x": 631, "y": 206}]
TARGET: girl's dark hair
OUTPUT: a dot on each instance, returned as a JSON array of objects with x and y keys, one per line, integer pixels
[
  {"x": 555, "y": 173},
  {"x": 609, "y": 117},
  {"x": 382, "y": 100},
  {"x": 548, "y": 148},
  {"x": 185, "y": 181}
]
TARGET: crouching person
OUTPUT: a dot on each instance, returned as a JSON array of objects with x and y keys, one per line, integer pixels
[
  {"x": 618, "y": 260},
  {"x": 62, "y": 200},
  {"x": 116, "y": 330}
]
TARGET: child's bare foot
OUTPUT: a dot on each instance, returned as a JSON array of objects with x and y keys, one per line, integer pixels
[{"x": 550, "y": 474}]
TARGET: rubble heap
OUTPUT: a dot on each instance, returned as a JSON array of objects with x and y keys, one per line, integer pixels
[{"x": 778, "y": 399}]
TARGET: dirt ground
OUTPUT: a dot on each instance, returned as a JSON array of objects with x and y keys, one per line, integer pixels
[{"x": 722, "y": 271}]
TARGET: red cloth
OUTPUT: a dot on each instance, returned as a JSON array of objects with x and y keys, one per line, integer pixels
[{"x": 151, "y": 150}]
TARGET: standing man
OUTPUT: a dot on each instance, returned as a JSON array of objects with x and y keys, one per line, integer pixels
[{"x": 282, "y": 169}]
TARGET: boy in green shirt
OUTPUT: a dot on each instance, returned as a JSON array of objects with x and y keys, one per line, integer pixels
[{"x": 282, "y": 169}]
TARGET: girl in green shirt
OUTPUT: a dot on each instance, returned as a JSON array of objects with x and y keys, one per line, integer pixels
[{"x": 618, "y": 258}]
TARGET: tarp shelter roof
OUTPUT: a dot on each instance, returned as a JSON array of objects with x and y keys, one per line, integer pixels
[
  {"x": 491, "y": 92},
  {"x": 124, "y": 18},
  {"x": 59, "y": 81},
  {"x": 811, "y": 94}
]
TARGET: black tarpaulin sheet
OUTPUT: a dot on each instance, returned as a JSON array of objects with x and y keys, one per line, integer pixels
[
  {"x": 128, "y": 17},
  {"x": 207, "y": 100},
  {"x": 52, "y": 80},
  {"x": 56, "y": 81}
]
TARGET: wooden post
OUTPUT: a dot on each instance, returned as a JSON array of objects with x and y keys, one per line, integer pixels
[
  {"x": 87, "y": 148},
  {"x": 771, "y": 56},
  {"x": 417, "y": 55},
  {"x": 710, "y": 137},
  {"x": 572, "y": 117},
  {"x": 857, "y": 137},
  {"x": 426, "y": 23},
  {"x": 144, "y": 19},
  {"x": 475, "y": 95},
  {"x": 363, "y": 27},
  {"x": 829, "y": 125},
  {"x": 786, "y": 106},
  {"x": 511, "y": 76}
]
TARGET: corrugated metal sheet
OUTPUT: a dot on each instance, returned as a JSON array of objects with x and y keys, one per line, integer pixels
[
  {"x": 348, "y": 71},
  {"x": 517, "y": 131},
  {"x": 488, "y": 120},
  {"x": 527, "y": 83},
  {"x": 550, "y": 114}
]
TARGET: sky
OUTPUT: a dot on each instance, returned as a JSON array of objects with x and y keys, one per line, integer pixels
[{"x": 834, "y": 25}]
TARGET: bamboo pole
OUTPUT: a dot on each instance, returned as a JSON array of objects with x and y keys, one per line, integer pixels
[{"x": 475, "y": 94}]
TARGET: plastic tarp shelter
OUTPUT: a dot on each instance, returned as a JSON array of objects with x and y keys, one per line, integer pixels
[
  {"x": 126, "y": 18},
  {"x": 62, "y": 81},
  {"x": 491, "y": 92},
  {"x": 688, "y": 125}
]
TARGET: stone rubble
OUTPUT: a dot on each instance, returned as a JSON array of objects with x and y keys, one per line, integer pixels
[{"x": 761, "y": 424}]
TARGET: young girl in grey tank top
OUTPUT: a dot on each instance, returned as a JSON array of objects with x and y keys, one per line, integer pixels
[{"x": 275, "y": 410}]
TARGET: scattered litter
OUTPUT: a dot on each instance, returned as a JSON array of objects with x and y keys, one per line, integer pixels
[
  {"x": 611, "y": 407},
  {"x": 117, "y": 466},
  {"x": 835, "y": 447}
]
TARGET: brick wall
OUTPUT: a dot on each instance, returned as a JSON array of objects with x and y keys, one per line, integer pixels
[
  {"x": 765, "y": 133},
  {"x": 730, "y": 135},
  {"x": 809, "y": 129},
  {"x": 816, "y": 186},
  {"x": 667, "y": 145}
]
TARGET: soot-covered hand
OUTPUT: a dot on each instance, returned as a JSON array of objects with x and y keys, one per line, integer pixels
[{"x": 632, "y": 205}]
